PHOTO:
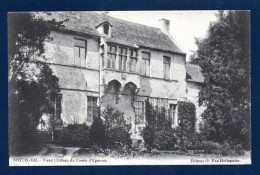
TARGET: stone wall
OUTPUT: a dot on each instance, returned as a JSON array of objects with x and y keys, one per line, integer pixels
[
  {"x": 76, "y": 82},
  {"x": 79, "y": 82},
  {"x": 60, "y": 50},
  {"x": 193, "y": 96},
  {"x": 156, "y": 86}
]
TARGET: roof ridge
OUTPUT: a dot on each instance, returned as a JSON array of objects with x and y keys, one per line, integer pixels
[
  {"x": 136, "y": 33},
  {"x": 134, "y": 22},
  {"x": 112, "y": 17}
]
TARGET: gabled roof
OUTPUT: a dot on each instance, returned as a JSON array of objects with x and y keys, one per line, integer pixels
[
  {"x": 194, "y": 73},
  {"x": 133, "y": 33}
]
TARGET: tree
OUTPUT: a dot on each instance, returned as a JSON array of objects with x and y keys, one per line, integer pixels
[
  {"x": 26, "y": 106},
  {"x": 31, "y": 81},
  {"x": 27, "y": 33},
  {"x": 194, "y": 57},
  {"x": 116, "y": 128},
  {"x": 224, "y": 56},
  {"x": 97, "y": 132},
  {"x": 113, "y": 118}
]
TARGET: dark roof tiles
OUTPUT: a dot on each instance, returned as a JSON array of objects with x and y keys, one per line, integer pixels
[
  {"x": 194, "y": 73},
  {"x": 142, "y": 35}
]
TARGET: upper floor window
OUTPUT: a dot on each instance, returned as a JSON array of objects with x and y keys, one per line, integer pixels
[
  {"x": 79, "y": 52},
  {"x": 111, "y": 56},
  {"x": 166, "y": 67},
  {"x": 146, "y": 61},
  {"x": 122, "y": 58},
  {"x": 80, "y": 48},
  {"x": 132, "y": 60},
  {"x": 106, "y": 29},
  {"x": 92, "y": 108}
]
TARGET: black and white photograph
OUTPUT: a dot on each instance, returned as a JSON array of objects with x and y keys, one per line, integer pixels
[{"x": 88, "y": 88}]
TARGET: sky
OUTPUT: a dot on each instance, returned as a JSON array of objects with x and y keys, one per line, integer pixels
[{"x": 184, "y": 25}]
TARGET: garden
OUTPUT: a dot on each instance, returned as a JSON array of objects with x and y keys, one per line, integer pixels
[{"x": 109, "y": 136}]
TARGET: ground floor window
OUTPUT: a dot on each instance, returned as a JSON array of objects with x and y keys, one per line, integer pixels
[
  {"x": 92, "y": 108},
  {"x": 56, "y": 101},
  {"x": 172, "y": 113},
  {"x": 139, "y": 111}
]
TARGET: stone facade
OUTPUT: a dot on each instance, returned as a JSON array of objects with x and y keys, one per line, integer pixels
[
  {"x": 87, "y": 78},
  {"x": 193, "y": 90}
]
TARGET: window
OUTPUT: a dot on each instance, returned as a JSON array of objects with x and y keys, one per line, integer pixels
[
  {"x": 92, "y": 108},
  {"x": 58, "y": 106},
  {"x": 111, "y": 56},
  {"x": 172, "y": 113},
  {"x": 166, "y": 67},
  {"x": 146, "y": 61},
  {"x": 56, "y": 101},
  {"x": 106, "y": 29},
  {"x": 79, "y": 51},
  {"x": 122, "y": 58},
  {"x": 139, "y": 111},
  {"x": 133, "y": 60}
]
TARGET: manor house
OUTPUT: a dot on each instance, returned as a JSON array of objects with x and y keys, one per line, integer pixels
[{"x": 101, "y": 60}]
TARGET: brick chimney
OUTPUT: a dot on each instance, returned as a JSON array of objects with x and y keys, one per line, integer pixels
[{"x": 165, "y": 25}]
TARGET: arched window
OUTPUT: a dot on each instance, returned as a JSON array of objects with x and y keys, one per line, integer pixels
[
  {"x": 129, "y": 89},
  {"x": 106, "y": 29},
  {"x": 113, "y": 87}
]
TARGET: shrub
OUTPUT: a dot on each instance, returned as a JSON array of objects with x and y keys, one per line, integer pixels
[
  {"x": 187, "y": 117},
  {"x": 231, "y": 150},
  {"x": 97, "y": 132},
  {"x": 120, "y": 152},
  {"x": 238, "y": 149},
  {"x": 188, "y": 141},
  {"x": 22, "y": 135},
  {"x": 116, "y": 129},
  {"x": 118, "y": 137},
  {"x": 157, "y": 124},
  {"x": 210, "y": 147},
  {"x": 165, "y": 140},
  {"x": 73, "y": 135},
  {"x": 149, "y": 137},
  {"x": 113, "y": 118}
]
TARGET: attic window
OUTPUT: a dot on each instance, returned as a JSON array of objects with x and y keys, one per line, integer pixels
[{"x": 106, "y": 29}]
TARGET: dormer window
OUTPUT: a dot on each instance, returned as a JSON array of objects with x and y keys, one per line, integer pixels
[{"x": 106, "y": 29}]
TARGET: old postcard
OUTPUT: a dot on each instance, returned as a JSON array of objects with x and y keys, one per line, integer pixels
[{"x": 129, "y": 88}]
